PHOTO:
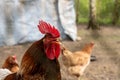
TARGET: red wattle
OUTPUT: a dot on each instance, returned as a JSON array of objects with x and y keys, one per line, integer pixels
[{"x": 53, "y": 51}]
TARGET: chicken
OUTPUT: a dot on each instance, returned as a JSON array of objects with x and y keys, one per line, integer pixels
[
  {"x": 11, "y": 64},
  {"x": 76, "y": 62},
  {"x": 40, "y": 61}
]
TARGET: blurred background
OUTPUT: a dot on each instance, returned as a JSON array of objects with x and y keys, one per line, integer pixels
[
  {"x": 19, "y": 18},
  {"x": 107, "y": 11}
]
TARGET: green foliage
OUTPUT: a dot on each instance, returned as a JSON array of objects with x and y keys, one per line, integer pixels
[
  {"x": 104, "y": 11},
  {"x": 82, "y": 10}
]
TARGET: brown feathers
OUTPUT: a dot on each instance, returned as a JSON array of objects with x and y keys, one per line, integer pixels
[{"x": 11, "y": 64}]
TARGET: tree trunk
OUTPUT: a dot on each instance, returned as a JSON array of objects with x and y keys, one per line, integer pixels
[
  {"x": 77, "y": 10},
  {"x": 116, "y": 12},
  {"x": 92, "y": 18}
]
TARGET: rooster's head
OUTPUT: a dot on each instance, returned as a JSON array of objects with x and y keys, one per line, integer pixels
[{"x": 50, "y": 40}]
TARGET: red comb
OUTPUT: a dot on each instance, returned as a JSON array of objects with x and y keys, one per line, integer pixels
[
  {"x": 46, "y": 28},
  {"x": 14, "y": 57}
]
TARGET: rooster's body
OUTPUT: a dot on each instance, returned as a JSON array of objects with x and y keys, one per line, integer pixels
[{"x": 40, "y": 60}]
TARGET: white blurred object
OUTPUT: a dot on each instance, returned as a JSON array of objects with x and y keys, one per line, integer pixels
[
  {"x": 19, "y": 19},
  {"x": 4, "y": 73},
  {"x": 68, "y": 18}
]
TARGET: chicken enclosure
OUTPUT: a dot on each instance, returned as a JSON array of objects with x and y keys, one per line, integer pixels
[{"x": 106, "y": 50}]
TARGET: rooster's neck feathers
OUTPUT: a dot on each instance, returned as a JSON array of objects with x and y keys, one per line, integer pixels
[{"x": 46, "y": 28}]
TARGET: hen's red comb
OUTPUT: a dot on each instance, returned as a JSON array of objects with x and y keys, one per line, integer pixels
[
  {"x": 14, "y": 57},
  {"x": 46, "y": 28}
]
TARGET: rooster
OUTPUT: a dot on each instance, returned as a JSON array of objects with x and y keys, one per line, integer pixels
[
  {"x": 77, "y": 61},
  {"x": 40, "y": 61}
]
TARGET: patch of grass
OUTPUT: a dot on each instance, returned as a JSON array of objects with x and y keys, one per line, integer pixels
[
  {"x": 82, "y": 20},
  {"x": 104, "y": 21}
]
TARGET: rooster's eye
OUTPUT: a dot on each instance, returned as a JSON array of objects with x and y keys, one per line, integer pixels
[{"x": 55, "y": 40}]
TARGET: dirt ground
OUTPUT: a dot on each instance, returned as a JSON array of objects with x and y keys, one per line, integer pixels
[{"x": 106, "y": 50}]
